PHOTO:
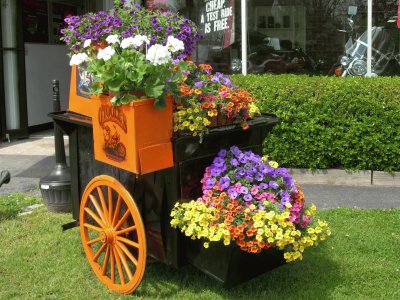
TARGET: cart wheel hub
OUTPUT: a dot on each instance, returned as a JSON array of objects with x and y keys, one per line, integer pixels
[{"x": 108, "y": 236}]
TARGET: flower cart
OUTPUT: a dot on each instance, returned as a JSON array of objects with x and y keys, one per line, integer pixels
[
  {"x": 150, "y": 131},
  {"x": 124, "y": 216}
]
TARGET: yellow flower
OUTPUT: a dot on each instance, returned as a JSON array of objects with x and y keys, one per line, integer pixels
[
  {"x": 273, "y": 164},
  {"x": 206, "y": 245}
]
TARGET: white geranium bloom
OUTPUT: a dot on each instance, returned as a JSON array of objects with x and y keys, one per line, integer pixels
[
  {"x": 158, "y": 54},
  {"x": 126, "y": 43},
  {"x": 174, "y": 45},
  {"x": 105, "y": 53},
  {"x": 112, "y": 39},
  {"x": 78, "y": 58},
  {"x": 138, "y": 40},
  {"x": 135, "y": 41},
  {"x": 87, "y": 43}
]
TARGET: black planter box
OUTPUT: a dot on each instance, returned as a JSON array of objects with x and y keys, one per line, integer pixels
[{"x": 230, "y": 265}]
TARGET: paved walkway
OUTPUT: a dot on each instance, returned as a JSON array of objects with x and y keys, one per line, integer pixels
[{"x": 30, "y": 159}]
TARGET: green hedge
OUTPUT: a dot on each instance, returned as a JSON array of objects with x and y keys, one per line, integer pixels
[{"x": 330, "y": 122}]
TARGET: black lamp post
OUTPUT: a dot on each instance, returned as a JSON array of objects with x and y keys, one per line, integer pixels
[{"x": 56, "y": 186}]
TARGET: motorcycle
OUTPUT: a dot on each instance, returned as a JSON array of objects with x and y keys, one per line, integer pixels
[
  {"x": 385, "y": 56},
  {"x": 277, "y": 57}
]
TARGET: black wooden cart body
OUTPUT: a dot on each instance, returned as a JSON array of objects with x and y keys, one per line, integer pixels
[{"x": 156, "y": 193}]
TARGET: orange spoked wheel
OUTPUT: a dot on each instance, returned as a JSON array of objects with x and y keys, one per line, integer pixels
[{"x": 112, "y": 234}]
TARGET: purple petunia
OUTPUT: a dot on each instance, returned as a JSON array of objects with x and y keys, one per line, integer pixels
[{"x": 272, "y": 184}]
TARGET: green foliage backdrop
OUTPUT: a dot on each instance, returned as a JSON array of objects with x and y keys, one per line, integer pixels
[{"x": 330, "y": 122}]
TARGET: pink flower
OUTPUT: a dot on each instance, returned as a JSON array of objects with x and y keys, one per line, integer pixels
[{"x": 254, "y": 190}]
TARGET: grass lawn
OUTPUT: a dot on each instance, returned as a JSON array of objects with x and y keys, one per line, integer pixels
[
  {"x": 361, "y": 260},
  {"x": 11, "y": 205}
]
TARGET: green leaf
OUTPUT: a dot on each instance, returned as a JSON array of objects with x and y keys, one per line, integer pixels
[{"x": 160, "y": 103}]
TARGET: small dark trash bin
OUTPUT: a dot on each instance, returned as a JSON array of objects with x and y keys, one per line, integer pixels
[{"x": 56, "y": 189}]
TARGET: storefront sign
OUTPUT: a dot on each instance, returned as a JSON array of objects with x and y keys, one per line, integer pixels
[{"x": 217, "y": 20}]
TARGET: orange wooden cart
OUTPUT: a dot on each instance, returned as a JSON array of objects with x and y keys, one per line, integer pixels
[{"x": 122, "y": 199}]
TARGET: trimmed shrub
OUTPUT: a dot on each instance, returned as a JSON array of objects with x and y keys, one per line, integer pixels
[{"x": 330, "y": 122}]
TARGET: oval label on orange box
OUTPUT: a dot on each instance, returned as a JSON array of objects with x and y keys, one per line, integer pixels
[{"x": 113, "y": 122}]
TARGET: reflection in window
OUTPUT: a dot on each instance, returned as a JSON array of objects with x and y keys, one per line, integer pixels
[{"x": 287, "y": 36}]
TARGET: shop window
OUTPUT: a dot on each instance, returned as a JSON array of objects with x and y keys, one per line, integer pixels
[{"x": 43, "y": 19}]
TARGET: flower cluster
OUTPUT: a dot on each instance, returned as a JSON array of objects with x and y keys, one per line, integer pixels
[
  {"x": 252, "y": 201},
  {"x": 129, "y": 21},
  {"x": 217, "y": 97},
  {"x": 131, "y": 49}
]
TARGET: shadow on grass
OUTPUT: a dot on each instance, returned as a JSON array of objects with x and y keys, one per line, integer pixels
[{"x": 314, "y": 277}]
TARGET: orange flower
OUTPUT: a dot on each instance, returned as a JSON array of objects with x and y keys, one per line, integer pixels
[
  {"x": 245, "y": 126},
  {"x": 205, "y": 104}
]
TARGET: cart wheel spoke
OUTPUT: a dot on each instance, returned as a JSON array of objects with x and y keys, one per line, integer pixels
[
  {"x": 87, "y": 225},
  {"x": 125, "y": 230},
  {"x": 105, "y": 262},
  {"x": 124, "y": 262},
  {"x": 110, "y": 204},
  {"x": 96, "y": 240},
  {"x": 97, "y": 207},
  {"x": 93, "y": 215},
  {"x": 129, "y": 242},
  {"x": 117, "y": 210},
  {"x": 112, "y": 266},
  {"x": 108, "y": 216},
  {"x": 103, "y": 203},
  {"x": 123, "y": 219},
  {"x": 119, "y": 266},
  {"x": 127, "y": 253}
]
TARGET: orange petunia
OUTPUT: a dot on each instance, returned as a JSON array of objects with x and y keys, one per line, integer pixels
[{"x": 205, "y": 104}]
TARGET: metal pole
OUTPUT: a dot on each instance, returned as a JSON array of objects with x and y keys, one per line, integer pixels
[
  {"x": 369, "y": 30},
  {"x": 244, "y": 36},
  {"x": 58, "y": 133}
]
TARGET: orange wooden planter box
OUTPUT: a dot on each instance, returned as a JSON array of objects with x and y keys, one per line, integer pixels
[
  {"x": 80, "y": 101},
  {"x": 134, "y": 137}
]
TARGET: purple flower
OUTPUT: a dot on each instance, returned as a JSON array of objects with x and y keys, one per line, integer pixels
[
  {"x": 272, "y": 184},
  {"x": 218, "y": 161},
  {"x": 210, "y": 182},
  {"x": 222, "y": 153},
  {"x": 215, "y": 171},
  {"x": 247, "y": 197},
  {"x": 224, "y": 182},
  {"x": 263, "y": 185},
  {"x": 232, "y": 193},
  {"x": 234, "y": 162},
  {"x": 244, "y": 190},
  {"x": 259, "y": 176},
  {"x": 199, "y": 83}
]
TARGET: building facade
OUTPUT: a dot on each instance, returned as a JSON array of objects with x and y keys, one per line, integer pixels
[{"x": 240, "y": 36}]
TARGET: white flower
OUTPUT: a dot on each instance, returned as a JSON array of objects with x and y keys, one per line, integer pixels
[
  {"x": 174, "y": 45},
  {"x": 105, "y": 53},
  {"x": 112, "y": 39},
  {"x": 79, "y": 58},
  {"x": 135, "y": 41},
  {"x": 158, "y": 54},
  {"x": 125, "y": 43},
  {"x": 87, "y": 43}
]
